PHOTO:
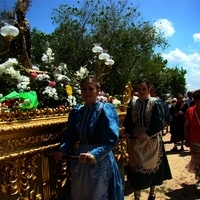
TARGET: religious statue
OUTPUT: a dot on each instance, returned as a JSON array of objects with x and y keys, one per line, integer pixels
[{"x": 20, "y": 46}]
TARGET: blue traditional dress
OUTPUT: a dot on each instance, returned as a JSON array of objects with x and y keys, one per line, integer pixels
[
  {"x": 148, "y": 164},
  {"x": 96, "y": 127}
]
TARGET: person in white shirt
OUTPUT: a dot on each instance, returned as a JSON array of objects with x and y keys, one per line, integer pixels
[{"x": 189, "y": 98}]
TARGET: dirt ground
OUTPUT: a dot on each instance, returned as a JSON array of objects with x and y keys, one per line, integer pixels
[{"x": 181, "y": 187}]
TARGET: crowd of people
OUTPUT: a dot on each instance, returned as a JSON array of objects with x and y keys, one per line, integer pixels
[{"x": 94, "y": 129}]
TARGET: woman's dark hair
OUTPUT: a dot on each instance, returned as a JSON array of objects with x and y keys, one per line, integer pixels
[
  {"x": 196, "y": 95},
  {"x": 91, "y": 78},
  {"x": 146, "y": 81}
]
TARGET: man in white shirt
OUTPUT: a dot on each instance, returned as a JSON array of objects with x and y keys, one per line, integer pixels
[{"x": 189, "y": 98}]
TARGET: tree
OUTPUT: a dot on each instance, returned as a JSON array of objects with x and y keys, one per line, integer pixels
[
  {"x": 121, "y": 30},
  {"x": 40, "y": 42},
  {"x": 177, "y": 81}
]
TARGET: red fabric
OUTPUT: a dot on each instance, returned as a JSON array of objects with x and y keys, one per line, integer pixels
[{"x": 194, "y": 129}]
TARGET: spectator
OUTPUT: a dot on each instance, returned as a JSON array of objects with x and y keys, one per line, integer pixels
[
  {"x": 189, "y": 98},
  {"x": 148, "y": 164},
  {"x": 192, "y": 136},
  {"x": 177, "y": 125}
]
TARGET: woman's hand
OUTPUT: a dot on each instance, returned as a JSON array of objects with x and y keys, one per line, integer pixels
[
  {"x": 180, "y": 113},
  {"x": 83, "y": 157}
]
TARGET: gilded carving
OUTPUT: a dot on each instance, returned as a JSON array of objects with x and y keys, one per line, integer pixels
[
  {"x": 121, "y": 148},
  {"x": 45, "y": 178},
  {"x": 63, "y": 180},
  {"x": 16, "y": 175},
  {"x": 14, "y": 143},
  {"x": 32, "y": 196},
  {"x": 128, "y": 93},
  {"x": 32, "y": 114}
]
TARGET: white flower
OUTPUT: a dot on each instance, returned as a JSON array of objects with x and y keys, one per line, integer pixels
[
  {"x": 62, "y": 67},
  {"x": 72, "y": 100},
  {"x": 82, "y": 72},
  {"x": 34, "y": 67},
  {"x": 8, "y": 69},
  {"x": 23, "y": 86},
  {"x": 45, "y": 58},
  {"x": 24, "y": 79},
  {"x": 42, "y": 77},
  {"x": 49, "y": 51},
  {"x": 116, "y": 102},
  {"x": 48, "y": 57},
  {"x": 102, "y": 98},
  {"x": 60, "y": 77},
  {"x": 50, "y": 92}
]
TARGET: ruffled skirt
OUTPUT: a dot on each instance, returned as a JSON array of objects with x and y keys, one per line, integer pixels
[{"x": 194, "y": 165}]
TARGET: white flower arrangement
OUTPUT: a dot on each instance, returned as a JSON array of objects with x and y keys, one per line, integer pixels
[
  {"x": 49, "y": 85},
  {"x": 7, "y": 68},
  {"x": 45, "y": 84}
]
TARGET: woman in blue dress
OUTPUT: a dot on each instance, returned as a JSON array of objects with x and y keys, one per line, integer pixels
[
  {"x": 144, "y": 122},
  {"x": 95, "y": 126}
]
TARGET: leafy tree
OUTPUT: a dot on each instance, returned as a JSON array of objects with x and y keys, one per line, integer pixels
[
  {"x": 39, "y": 42},
  {"x": 121, "y": 30},
  {"x": 177, "y": 81}
]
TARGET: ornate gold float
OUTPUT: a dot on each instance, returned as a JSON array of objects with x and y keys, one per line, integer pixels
[{"x": 26, "y": 137}]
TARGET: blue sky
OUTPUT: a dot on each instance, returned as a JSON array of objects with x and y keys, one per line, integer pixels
[{"x": 179, "y": 20}]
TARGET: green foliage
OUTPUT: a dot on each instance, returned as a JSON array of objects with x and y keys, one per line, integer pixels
[
  {"x": 121, "y": 30},
  {"x": 177, "y": 82},
  {"x": 39, "y": 41}
]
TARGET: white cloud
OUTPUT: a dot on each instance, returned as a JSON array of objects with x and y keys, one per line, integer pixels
[
  {"x": 164, "y": 26},
  {"x": 196, "y": 37},
  {"x": 189, "y": 62}
]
